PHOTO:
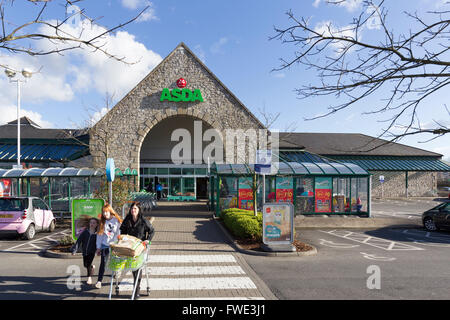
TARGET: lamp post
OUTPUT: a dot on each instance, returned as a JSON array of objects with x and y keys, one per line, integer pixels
[{"x": 11, "y": 74}]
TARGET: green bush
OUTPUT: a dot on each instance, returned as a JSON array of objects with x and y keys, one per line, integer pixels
[{"x": 243, "y": 224}]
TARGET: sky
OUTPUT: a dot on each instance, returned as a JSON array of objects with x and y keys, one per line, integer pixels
[{"x": 231, "y": 37}]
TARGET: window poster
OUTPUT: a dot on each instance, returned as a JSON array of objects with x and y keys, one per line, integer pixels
[
  {"x": 245, "y": 193},
  {"x": 323, "y": 194}
]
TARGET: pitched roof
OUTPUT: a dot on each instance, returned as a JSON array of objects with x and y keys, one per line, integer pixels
[
  {"x": 30, "y": 130},
  {"x": 186, "y": 48},
  {"x": 348, "y": 144}
]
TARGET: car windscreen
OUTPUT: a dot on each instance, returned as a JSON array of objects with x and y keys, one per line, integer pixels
[{"x": 13, "y": 204}]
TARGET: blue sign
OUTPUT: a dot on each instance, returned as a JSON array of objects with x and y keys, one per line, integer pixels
[{"x": 110, "y": 170}]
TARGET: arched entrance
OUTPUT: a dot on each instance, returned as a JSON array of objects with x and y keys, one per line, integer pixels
[{"x": 174, "y": 139}]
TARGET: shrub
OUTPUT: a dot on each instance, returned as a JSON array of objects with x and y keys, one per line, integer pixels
[
  {"x": 66, "y": 240},
  {"x": 243, "y": 223}
]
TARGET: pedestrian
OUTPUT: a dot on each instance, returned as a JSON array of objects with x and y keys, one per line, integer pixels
[
  {"x": 137, "y": 226},
  {"x": 87, "y": 241},
  {"x": 108, "y": 232},
  {"x": 158, "y": 190}
]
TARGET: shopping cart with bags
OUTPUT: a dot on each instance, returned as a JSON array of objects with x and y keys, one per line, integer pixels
[{"x": 121, "y": 264}]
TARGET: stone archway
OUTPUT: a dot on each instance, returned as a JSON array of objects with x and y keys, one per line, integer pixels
[{"x": 128, "y": 123}]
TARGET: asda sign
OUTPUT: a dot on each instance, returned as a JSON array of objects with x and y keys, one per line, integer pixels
[{"x": 181, "y": 93}]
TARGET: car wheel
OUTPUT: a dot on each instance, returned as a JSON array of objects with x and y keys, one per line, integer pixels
[
  {"x": 52, "y": 226},
  {"x": 429, "y": 224},
  {"x": 30, "y": 233}
]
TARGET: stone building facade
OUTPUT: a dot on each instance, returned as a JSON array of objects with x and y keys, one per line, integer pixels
[{"x": 121, "y": 132}]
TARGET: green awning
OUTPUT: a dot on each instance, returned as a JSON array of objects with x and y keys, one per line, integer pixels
[{"x": 379, "y": 163}]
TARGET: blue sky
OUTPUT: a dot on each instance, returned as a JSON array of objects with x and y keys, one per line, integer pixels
[{"x": 232, "y": 39}]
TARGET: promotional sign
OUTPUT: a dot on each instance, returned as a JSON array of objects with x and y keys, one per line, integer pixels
[
  {"x": 82, "y": 211},
  {"x": 5, "y": 187},
  {"x": 323, "y": 194},
  {"x": 284, "y": 189},
  {"x": 278, "y": 223},
  {"x": 245, "y": 193},
  {"x": 263, "y": 161},
  {"x": 381, "y": 179}
]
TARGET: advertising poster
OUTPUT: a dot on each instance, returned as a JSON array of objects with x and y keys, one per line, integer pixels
[
  {"x": 278, "y": 223},
  {"x": 5, "y": 187},
  {"x": 284, "y": 189},
  {"x": 245, "y": 193},
  {"x": 82, "y": 211},
  {"x": 323, "y": 194}
]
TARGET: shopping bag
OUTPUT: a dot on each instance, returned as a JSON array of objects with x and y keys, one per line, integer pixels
[{"x": 127, "y": 246}]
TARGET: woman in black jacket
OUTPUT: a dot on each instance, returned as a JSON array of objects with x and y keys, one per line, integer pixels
[{"x": 137, "y": 226}]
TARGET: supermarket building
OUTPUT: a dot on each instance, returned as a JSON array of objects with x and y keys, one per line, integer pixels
[{"x": 138, "y": 134}]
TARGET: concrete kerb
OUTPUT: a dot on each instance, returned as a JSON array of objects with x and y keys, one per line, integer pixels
[
  {"x": 238, "y": 248},
  {"x": 66, "y": 255}
]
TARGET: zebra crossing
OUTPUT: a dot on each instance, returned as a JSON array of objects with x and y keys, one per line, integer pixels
[{"x": 193, "y": 276}]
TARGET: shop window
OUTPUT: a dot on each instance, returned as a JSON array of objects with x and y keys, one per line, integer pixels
[
  {"x": 341, "y": 195},
  {"x": 152, "y": 171},
  {"x": 162, "y": 171},
  {"x": 359, "y": 195},
  {"x": 188, "y": 171},
  {"x": 201, "y": 171},
  {"x": 228, "y": 193},
  {"x": 188, "y": 187},
  {"x": 176, "y": 171},
  {"x": 304, "y": 196},
  {"x": 175, "y": 187}
]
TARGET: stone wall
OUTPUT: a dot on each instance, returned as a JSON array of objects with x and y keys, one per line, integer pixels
[
  {"x": 420, "y": 184},
  {"x": 126, "y": 125}
]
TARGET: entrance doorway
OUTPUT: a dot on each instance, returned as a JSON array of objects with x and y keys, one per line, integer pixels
[{"x": 202, "y": 188}]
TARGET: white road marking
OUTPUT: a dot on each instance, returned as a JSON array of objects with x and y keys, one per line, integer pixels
[
  {"x": 375, "y": 257},
  {"x": 337, "y": 245},
  {"x": 207, "y": 283},
  {"x": 372, "y": 241},
  {"x": 32, "y": 242},
  {"x": 191, "y": 258},
  {"x": 195, "y": 270}
]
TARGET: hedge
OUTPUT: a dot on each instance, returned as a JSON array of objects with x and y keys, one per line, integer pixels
[{"x": 243, "y": 224}]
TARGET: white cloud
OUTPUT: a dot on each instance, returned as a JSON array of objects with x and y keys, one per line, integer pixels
[
  {"x": 326, "y": 29},
  {"x": 148, "y": 15},
  {"x": 351, "y": 5},
  {"x": 9, "y": 113},
  {"x": 62, "y": 77},
  {"x": 279, "y": 75},
  {"x": 316, "y": 3},
  {"x": 218, "y": 45}
]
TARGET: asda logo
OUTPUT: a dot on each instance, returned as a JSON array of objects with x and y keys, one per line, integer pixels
[{"x": 181, "y": 93}]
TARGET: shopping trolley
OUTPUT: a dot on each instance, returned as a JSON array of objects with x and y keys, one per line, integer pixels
[{"x": 121, "y": 264}]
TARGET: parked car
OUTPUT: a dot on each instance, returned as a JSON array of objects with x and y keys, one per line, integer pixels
[
  {"x": 25, "y": 216},
  {"x": 438, "y": 217}
]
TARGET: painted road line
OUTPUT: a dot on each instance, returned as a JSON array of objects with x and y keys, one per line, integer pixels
[
  {"x": 205, "y": 283},
  {"x": 33, "y": 242},
  {"x": 375, "y": 257},
  {"x": 206, "y": 298},
  {"x": 190, "y": 258},
  {"x": 196, "y": 270},
  {"x": 337, "y": 245},
  {"x": 372, "y": 241}
]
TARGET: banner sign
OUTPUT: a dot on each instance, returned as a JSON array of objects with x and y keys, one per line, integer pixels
[
  {"x": 245, "y": 193},
  {"x": 323, "y": 194},
  {"x": 82, "y": 211},
  {"x": 284, "y": 189},
  {"x": 278, "y": 223}
]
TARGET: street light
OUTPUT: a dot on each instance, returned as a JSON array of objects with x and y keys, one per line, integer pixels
[{"x": 11, "y": 74}]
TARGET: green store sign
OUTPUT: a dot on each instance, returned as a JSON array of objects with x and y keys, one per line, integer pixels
[{"x": 178, "y": 94}]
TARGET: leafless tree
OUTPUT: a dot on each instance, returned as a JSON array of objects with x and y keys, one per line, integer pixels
[
  {"x": 23, "y": 36},
  {"x": 404, "y": 69}
]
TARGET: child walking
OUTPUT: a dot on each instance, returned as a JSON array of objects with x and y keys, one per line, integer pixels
[
  {"x": 108, "y": 232},
  {"x": 87, "y": 240}
]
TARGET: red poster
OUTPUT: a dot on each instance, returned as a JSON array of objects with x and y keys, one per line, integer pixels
[
  {"x": 323, "y": 200},
  {"x": 285, "y": 195},
  {"x": 246, "y": 199}
]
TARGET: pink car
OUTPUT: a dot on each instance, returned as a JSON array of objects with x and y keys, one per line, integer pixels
[{"x": 25, "y": 216}]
